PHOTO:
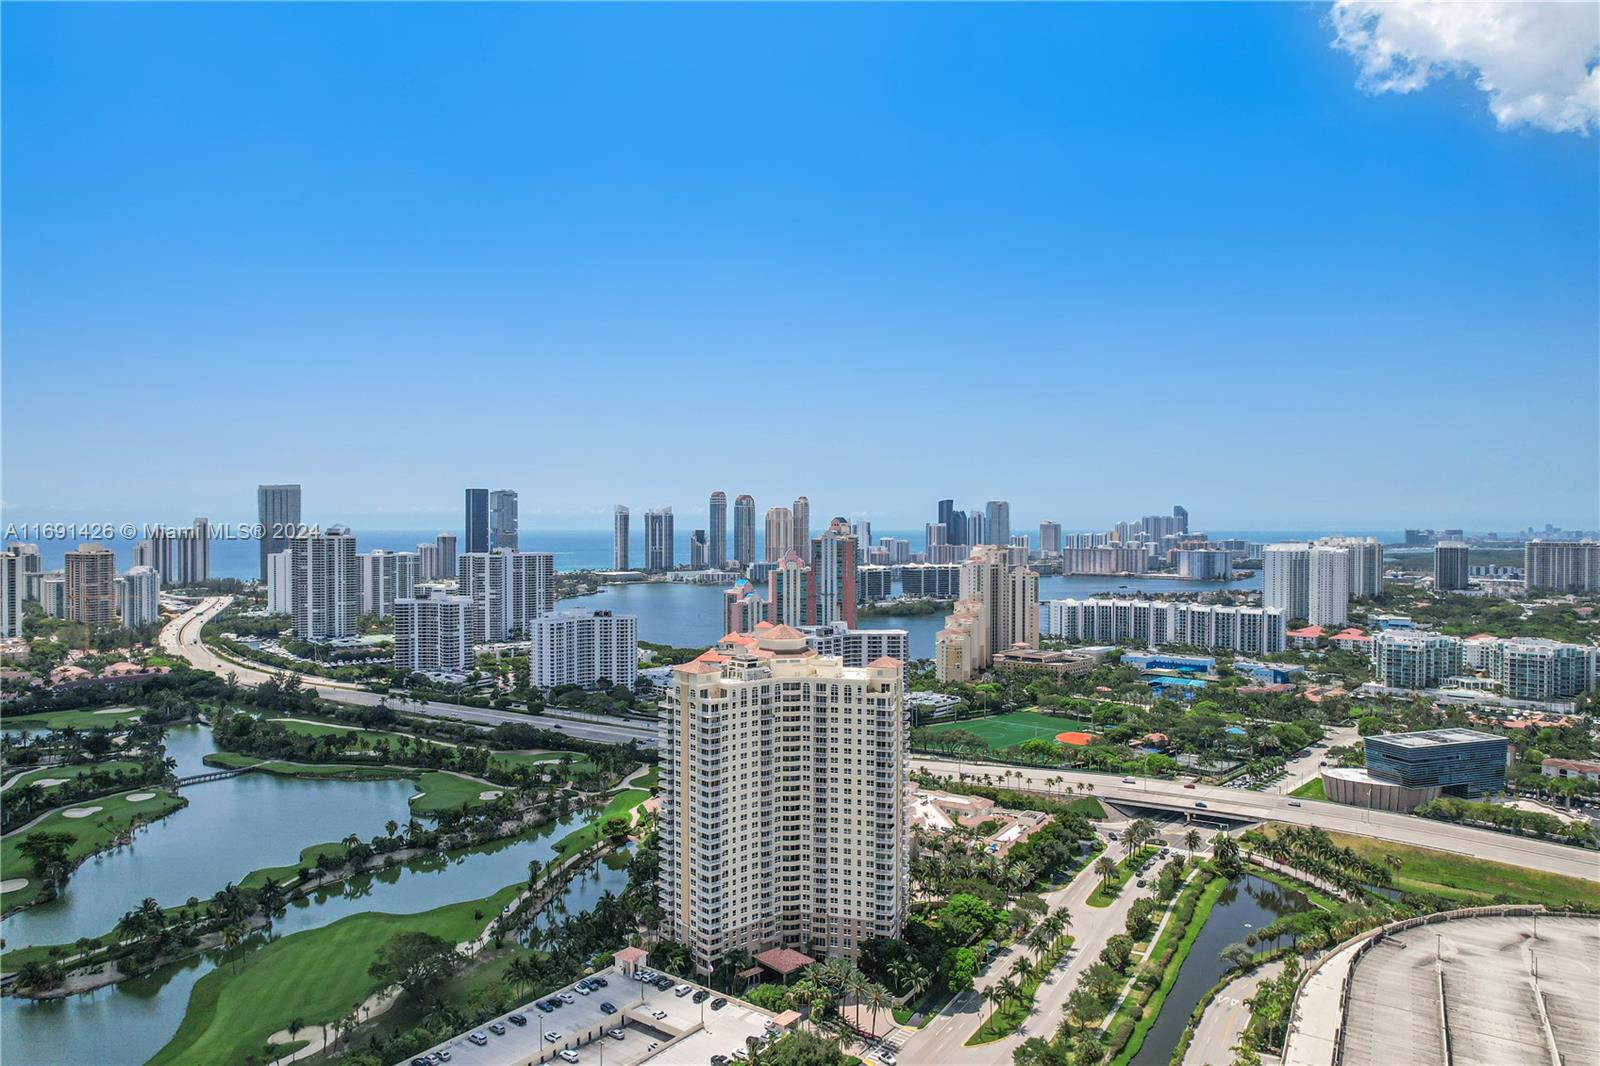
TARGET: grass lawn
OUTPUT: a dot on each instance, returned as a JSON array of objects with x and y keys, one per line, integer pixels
[
  {"x": 1311, "y": 790},
  {"x": 1087, "y": 806},
  {"x": 100, "y": 717},
  {"x": 651, "y": 780},
  {"x": 444, "y": 791},
  {"x": 228, "y": 760},
  {"x": 1464, "y": 878},
  {"x": 315, "y": 976},
  {"x": 92, "y": 833},
  {"x": 511, "y": 760},
  {"x": 67, "y": 773},
  {"x": 1005, "y": 730},
  {"x": 620, "y": 804}
]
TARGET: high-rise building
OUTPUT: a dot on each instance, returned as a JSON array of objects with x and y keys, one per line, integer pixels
[
  {"x": 742, "y": 609},
  {"x": 977, "y": 528},
  {"x": 1408, "y": 658},
  {"x": 13, "y": 583},
  {"x": 1286, "y": 578},
  {"x": 779, "y": 528},
  {"x": 1050, "y": 538},
  {"x": 503, "y": 519},
  {"x": 385, "y": 577},
  {"x": 477, "y": 521},
  {"x": 430, "y": 564},
  {"x": 699, "y": 550},
  {"x": 719, "y": 529},
  {"x": 139, "y": 597},
  {"x": 1533, "y": 668},
  {"x": 1562, "y": 565},
  {"x": 790, "y": 591},
  {"x": 445, "y": 544},
  {"x": 619, "y": 537},
  {"x": 155, "y": 551},
  {"x": 278, "y": 513},
  {"x": 53, "y": 593},
  {"x": 833, "y": 576},
  {"x": 433, "y": 631},
  {"x": 587, "y": 648},
  {"x": 987, "y": 617},
  {"x": 1180, "y": 518},
  {"x": 192, "y": 555},
  {"x": 997, "y": 520},
  {"x": 91, "y": 593},
  {"x": 1450, "y": 566},
  {"x": 744, "y": 530},
  {"x": 858, "y": 647},
  {"x": 874, "y": 583},
  {"x": 280, "y": 584},
  {"x": 508, "y": 589},
  {"x": 1154, "y": 623},
  {"x": 658, "y": 546},
  {"x": 801, "y": 533},
  {"x": 955, "y": 529},
  {"x": 324, "y": 584},
  {"x": 1328, "y": 586},
  {"x": 783, "y": 819},
  {"x": 1366, "y": 563},
  {"x": 1203, "y": 564},
  {"x": 30, "y": 565},
  {"x": 934, "y": 535},
  {"x": 933, "y": 581}
]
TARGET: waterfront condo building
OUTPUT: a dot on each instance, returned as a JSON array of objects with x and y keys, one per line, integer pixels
[
  {"x": 324, "y": 585},
  {"x": 91, "y": 592},
  {"x": 385, "y": 577},
  {"x": 779, "y": 530},
  {"x": 744, "y": 530},
  {"x": 1286, "y": 578},
  {"x": 584, "y": 648},
  {"x": 783, "y": 819},
  {"x": 139, "y": 596},
  {"x": 433, "y": 631},
  {"x": 801, "y": 533},
  {"x": 1328, "y": 586},
  {"x": 619, "y": 538},
  {"x": 1562, "y": 565},
  {"x": 503, "y": 519},
  {"x": 718, "y": 533},
  {"x": 510, "y": 588},
  {"x": 1153, "y": 623},
  {"x": 278, "y": 513},
  {"x": 1409, "y": 658},
  {"x": 477, "y": 520},
  {"x": 833, "y": 576},
  {"x": 658, "y": 546},
  {"x": 444, "y": 546},
  {"x": 997, "y": 522},
  {"x": 699, "y": 550},
  {"x": 280, "y": 584},
  {"x": 998, "y": 608}
]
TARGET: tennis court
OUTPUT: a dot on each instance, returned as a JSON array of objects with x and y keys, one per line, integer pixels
[{"x": 1008, "y": 730}]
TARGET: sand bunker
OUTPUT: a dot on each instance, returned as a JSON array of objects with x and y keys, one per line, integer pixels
[
  {"x": 81, "y": 812},
  {"x": 140, "y": 797},
  {"x": 14, "y": 884},
  {"x": 46, "y": 782},
  {"x": 491, "y": 794}
]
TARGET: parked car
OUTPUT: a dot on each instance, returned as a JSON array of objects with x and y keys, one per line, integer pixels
[
  {"x": 663, "y": 983},
  {"x": 497, "y": 1028},
  {"x": 580, "y": 989},
  {"x": 1294, "y": 803},
  {"x": 718, "y": 1003},
  {"x": 658, "y": 1014},
  {"x": 701, "y": 996},
  {"x": 444, "y": 1054},
  {"x": 517, "y": 1019},
  {"x": 567, "y": 997},
  {"x": 551, "y": 1036},
  {"x": 480, "y": 1038},
  {"x": 568, "y": 1055},
  {"x": 606, "y": 1008},
  {"x": 681, "y": 991},
  {"x": 616, "y": 1034},
  {"x": 598, "y": 982}
]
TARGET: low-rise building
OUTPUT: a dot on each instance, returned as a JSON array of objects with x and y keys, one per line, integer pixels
[{"x": 1583, "y": 769}]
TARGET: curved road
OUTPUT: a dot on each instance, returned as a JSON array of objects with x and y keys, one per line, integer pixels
[
  {"x": 181, "y": 637},
  {"x": 1334, "y": 817}
]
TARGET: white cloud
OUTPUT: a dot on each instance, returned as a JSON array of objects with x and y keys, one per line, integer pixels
[{"x": 1537, "y": 62}]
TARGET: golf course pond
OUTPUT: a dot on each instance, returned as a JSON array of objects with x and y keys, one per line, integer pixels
[{"x": 229, "y": 828}]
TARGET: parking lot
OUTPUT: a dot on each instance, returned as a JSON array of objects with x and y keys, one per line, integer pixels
[{"x": 650, "y": 1025}]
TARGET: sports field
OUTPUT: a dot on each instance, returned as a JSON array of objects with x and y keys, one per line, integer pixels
[{"x": 1007, "y": 730}]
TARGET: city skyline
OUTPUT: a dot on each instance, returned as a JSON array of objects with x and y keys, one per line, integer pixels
[{"x": 944, "y": 204}]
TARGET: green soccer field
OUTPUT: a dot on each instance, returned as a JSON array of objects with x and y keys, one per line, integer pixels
[{"x": 1007, "y": 730}]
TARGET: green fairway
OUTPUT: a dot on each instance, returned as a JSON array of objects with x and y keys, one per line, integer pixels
[
  {"x": 1475, "y": 881},
  {"x": 443, "y": 791},
  {"x": 315, "y": 976},
  {"x": 620, "y": 804},
  {"x": 68, "y": 773},
  {"x": 93, "y": 832},
  {"x": 227, "y": 760},
  {"x": 369, "y": 739},
  {"x": 99, "y": 718},
  {"x": 1007, "y": 730}
]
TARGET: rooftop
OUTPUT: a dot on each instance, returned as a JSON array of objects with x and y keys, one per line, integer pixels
[{"x": 1430, "y": 738}]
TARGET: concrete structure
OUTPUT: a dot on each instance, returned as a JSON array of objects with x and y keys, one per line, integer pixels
[
  {"x": 324, "y": 585},
  {"x": 1155, "y": 623},
  {"x": 191, "y": 554},
  {"x": 1203, "y": 564},
  {"x": 510, "y": 588},
  {"x": 742, "y": 608},
  {"x": 833, "y": 576},
  {"x": 658, "y": 542},
  {"x": 1049, "y": 538},
  {"x": 1328, "y": 588},
  {"x": 800, "y": 533},
  {"x": 998, "y": 608},
  {"x": 53, "y": 593},
  {"x": 139, "y": 597},
  {"x": 444, "y": 545},
  {"x": 719, "y": 530},
  {"x": 954, "y": 528},
  {"x": 1461, "y": 762},
  {"x": 933, "y": 581},
  {"x": 477, "y": 520},
  {"x": 1106, "y": 560},
  {"x": 783, "y": 789},
  {"x": 91, "y": 594},
  {"x": 13, "y": 585},
  {"x": 790, "y": 593},
  {"x": 779, "y": 533},
  {"x": 874, "y": 583},
  {"x": 278, "y": 513},
  {"x": 1058, "y": 664},
  {"x": 280, "y": 584},
  {"x": 385, "y": 577},
  {"x": 503, "y": 523},
  {"x": 1562, "y": 565},
  {"x": 744, "y": 530},
  {"x": 433, "y": 631},
  {"x": 1286, "y": 578},
  {"x": 1408, "y": 658},
  {"x": 1358, "y": 788},
  {"x": 1532, "y": 668},
  {"x": 583, "y": 648},
  {"x": 619, "y": 538},
  {"x": 1450, "y": 566},
  {"x": 857, "y": 647}
]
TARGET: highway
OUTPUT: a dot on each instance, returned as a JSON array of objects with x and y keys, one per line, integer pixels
[
  {"x": 181, "y": 637},
  {"x": 1334, "y": 817}
]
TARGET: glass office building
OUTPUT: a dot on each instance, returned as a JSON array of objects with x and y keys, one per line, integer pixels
[{"x": 1460, "y": 762}]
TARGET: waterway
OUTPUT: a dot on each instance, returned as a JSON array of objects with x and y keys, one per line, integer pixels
[
  {"x": 690, "y": 616},
  {"x": 1244, "y": 906},
  {"x": 129, "y": 1022}
]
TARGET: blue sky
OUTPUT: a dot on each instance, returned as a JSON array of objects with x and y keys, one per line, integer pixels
[{"x": 1092, "y": 259}]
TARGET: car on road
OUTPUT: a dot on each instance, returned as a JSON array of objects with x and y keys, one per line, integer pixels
[
  {"x": 568, "y": 1055},
  {"x": 480, "y": 1038},
  {"x": 1200, "y": 803},
  {"x": 517, "y": 1019},
  {"x": 1188, "y": 784},
  {"x": 497, "y": 1028},
  {"x": 886, "y": 1057},
  {"x": 1294, "y": 803},
  {"x": 1129, "y": 781},
  {"x": 1112, "y": 835}
]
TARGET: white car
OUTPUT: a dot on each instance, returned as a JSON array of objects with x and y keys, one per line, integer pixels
[
  {"x": 580, "y": 990},
  {"x": 568, "y": 1055},
  {"x": 567, "y": 997},
  {"x": 480, "y": 1038},
  {"x": 681, "y": 991},
  {"x": 616, "y": 1034},
  {"x": 658, "y": 1014},
  {"x": 552, "y": 1036}
]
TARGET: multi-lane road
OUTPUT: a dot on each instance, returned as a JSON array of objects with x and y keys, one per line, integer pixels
[{"x": 181, "y": 636}]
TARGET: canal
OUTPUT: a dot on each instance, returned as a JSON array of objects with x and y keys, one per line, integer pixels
[{"x": 1248, "y": 904}]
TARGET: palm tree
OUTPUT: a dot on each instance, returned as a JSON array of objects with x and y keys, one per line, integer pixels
[
  {"x": 1020, "y": 968},
  {"x": 1106, "y": 869},
  {"x": 1191, "y": 840},
  {"x": 232, "y": 936},
  {"x": 994, "y": 995},
  {"x": 878, "y": 998}
]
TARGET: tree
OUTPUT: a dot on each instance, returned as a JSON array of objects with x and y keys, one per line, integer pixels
[
  {"x": 417, "y": 962},
  {"x": 1225, "y": 853},
  {"x": 769, "y": 997},
  {"x": 1106, "y": 869},
  {"x": 961, "y": 966},
  {"x": 1191, "y": 840},
  {"x": 1239, "y": 956},
  {"x": 804, "y": 1049},
  {"x": 46, "y": 851}
]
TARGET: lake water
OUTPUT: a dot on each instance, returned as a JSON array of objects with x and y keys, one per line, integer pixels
[
  {"x": 137, "y": 1017},
  {"x": 690, "y": 616},
  {"x": 1244, "y": 906}
]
